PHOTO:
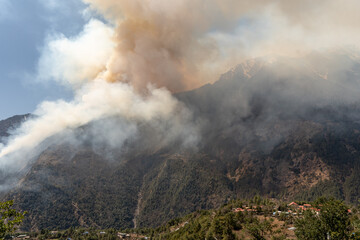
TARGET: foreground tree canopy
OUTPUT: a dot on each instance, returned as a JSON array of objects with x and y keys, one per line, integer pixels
[
  {"x": 332, "y": 223},
  {"x": 10, "y": 218}
]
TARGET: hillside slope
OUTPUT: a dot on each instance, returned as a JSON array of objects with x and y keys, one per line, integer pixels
[{"x": 262, "y": 132}]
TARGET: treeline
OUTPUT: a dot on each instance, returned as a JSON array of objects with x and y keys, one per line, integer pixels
[
  {"x": 335, "y": 221},
  {"x": 256, "y": 218},
  {"x": 224, "y": 223},
  {"x": 269, "y": 220},
  {"x": 74, "y": 234}
]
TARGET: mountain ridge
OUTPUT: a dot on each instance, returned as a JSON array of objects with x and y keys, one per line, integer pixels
[{"x": 263, "y": 131}]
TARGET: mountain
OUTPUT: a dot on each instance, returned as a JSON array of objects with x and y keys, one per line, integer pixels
[
  {"x": 7, "y": 125},
  {"x": 278, "y": 127}
]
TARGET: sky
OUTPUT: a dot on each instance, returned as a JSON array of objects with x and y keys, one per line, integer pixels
[{"x": 24, "y": 27}]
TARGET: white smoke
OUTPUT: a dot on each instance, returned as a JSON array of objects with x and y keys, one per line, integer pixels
[{"x": 78, "y": 62}]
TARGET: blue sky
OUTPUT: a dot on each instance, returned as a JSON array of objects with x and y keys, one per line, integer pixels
[{"x": 24, "y": 26}]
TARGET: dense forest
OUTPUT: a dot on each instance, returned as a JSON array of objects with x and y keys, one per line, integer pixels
[{"x": 256, "y": 218}]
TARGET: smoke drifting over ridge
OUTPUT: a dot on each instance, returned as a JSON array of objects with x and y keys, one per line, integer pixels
[
  {"x": 182, "y": 44},
  {"x": 128, "y": 66}
]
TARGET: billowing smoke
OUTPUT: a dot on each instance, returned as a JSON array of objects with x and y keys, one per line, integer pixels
[
  {"x": 78, "y": 60},
  {"x": 126, "y": 67},
  {"x": 184, "y": 43},
  {"x": 94, "y": 101}
]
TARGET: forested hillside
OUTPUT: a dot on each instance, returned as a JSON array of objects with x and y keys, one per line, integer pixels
[{"x": 251, "y": 141}]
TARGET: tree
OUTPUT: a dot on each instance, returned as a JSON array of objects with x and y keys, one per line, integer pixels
[
  {"x": 10, "y": 218},
  {"x": 333, "y": 222},
  {"x": 258, "y": 229},
  {"x": 310, "y": 227},
  {"x": 334, "y": 215}
]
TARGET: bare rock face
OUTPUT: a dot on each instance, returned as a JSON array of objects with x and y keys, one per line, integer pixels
[{"x": 277, "y": 127}]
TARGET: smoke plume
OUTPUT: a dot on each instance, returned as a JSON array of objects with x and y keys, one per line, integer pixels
[{"x": 182, "y": 44}]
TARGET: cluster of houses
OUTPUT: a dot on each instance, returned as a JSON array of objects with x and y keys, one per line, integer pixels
[
  {"x": 119, "y": 234},
  {"x": 293, "y": 209},
  {"x": 130, "y": 236},
  {"x": 123, "y": 235},
  {"x": 22, "y": 236},
  {"x": 246, "y": 209},
  {"x": 304, "y": 207},
  {"x": 296, "y": 207}
]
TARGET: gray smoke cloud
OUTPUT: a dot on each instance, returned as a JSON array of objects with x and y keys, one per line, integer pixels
[
  {"x": 260, "y": 102},
  {"x": 183, "y": 44}
]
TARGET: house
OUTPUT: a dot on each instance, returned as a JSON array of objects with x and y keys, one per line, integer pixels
[
  {"x": 238, "y": 210},
  {"x": 244, "y": 210},
  {"x": 123, "y": 235},
  {"x": 293, "y": 204},
  {"x": 23, "y": 236},
  {"x": 301, "y": 207}
]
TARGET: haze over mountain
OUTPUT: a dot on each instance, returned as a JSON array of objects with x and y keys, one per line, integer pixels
[{"x": 259, "y": 131}]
